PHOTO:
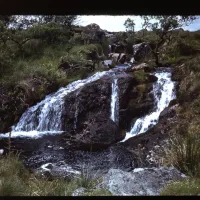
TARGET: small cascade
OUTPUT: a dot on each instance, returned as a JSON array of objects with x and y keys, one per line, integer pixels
[
  {"x": 45, "y": 117},
  {"x": 76, "y": 111},
  {"x": 115, "y": 102},
  {"x": 164, "y": 92},
  {"x": 110, "y": 50}
]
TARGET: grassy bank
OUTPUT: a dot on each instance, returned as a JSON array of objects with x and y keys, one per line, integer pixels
[
  {"x": 28, "y": 80},
  {"x": 183, "y": 150}
]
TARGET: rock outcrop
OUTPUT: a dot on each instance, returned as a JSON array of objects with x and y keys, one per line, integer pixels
[
  {"x": 87, "y": 112},
  {"x": 140, "y": 181},
  {"x": 153, "y": 142},
  {"x": 118, "y": 58},
  {"x": 93, "y": 33},
  {"x": 140, "y": 51}
]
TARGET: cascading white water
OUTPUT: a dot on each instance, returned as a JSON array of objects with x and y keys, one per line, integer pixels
[
  {"x": 76, "y": 111},
  {"x": 114, "y": 101},
  {"x": 164, "y": 92},
  {"x": 45, "y": 117}
]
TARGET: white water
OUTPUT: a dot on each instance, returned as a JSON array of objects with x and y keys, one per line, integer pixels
[
  {"x": 114, "y": 102},
  {"x": 76, "y": 111},
  {"x": 45, "y": 117},
  {"x": 164, "y": 92}
]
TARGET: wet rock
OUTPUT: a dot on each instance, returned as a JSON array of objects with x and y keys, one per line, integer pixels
[
  {"x": 140, "y": 103},
  {"x": 151, "y": 78},
  {"x": 169, "y": 112},
  {"x": 142, "y": 181},
  {"x": 86, "y": 114},
  {"x": 140, "y": 109},
  {"x": 57, "y": 170},
  {"x": 142, "y": 66},
  {"x": 117, "y": 48},
  {"x": 90, "y": 100},
  {"x": 74, "y": 162},
  {"x": 118, "y": 58},
  {"x": 98, "y": 134}
]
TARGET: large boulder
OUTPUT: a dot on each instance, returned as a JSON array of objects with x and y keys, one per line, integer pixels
[
  {"x": 140, "y": 51},
  {"x": 117, "y": 48},
  {"x": 140, "y": 181},
  {"x": 118, "y": 58},
  {"x": 140, "y": 102},
  {"x": 99, "y": 132},
  {"x": 142, "y": 66},
  {"x": 93, "y": 33},
  {"x": 87, "y": 112}
]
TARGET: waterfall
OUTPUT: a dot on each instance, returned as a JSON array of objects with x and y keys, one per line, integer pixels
[
  {"x": 114, "y": 102},
  {"x": 45, "y": 117},
  {"x": 110, "y": 49},
  {"x": 76, "y": 111},
  {"x": 164, "y": 92}
]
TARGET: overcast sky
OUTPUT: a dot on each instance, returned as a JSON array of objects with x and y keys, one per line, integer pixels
[{"x": 116, "y": 23}]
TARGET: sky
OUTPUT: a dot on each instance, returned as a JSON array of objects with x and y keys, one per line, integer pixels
[{"x": 116, "y": 23}]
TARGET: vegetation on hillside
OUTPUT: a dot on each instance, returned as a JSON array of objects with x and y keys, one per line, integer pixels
[{"x": 38, "y": 56}]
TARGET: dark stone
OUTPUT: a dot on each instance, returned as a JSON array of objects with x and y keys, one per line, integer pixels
[
  {"x": 168, "y": 112},
  {"x": 151, "y": 78},
  {"x": 140, "y": 51}
]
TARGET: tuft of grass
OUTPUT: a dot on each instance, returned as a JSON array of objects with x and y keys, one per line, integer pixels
[
  {"x": 184, "y": 151},
  {"x": 189, "y": 187},
  {"x": 140, "y": 76}
]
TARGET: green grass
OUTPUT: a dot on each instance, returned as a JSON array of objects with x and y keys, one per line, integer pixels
[
  {"x": 189, "y": 187},
  {"x": 140, "y": 76},
  {"x": 99, "y": 192},
  {"x": 15, "y": 180}
]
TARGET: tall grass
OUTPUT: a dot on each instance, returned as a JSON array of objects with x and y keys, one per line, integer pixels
[
  {"x": 184, "y": 151},
  {"x": 181, "y": 188}
]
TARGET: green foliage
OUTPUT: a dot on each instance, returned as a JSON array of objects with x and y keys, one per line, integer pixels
[
  {"x": 140, "y": 76},
  {"x": 76, "y": 40},
  {"x": 162, "y": 26},
  {"x": 189, "y": 187},
  {"x": 50, "y": 33},
  {"x": 105, "y": 47},
  {"x": 129, "y": 25}
]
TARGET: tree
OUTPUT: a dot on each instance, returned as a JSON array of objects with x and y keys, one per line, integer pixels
[
  {"x": 64, "y": 20},
  {"x": 130, "y": 28},
  {"x": 129, "y": 25},
  {"x": 162, "y": 26}
]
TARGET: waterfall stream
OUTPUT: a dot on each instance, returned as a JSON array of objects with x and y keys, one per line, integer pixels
[
  {"x": 163, "y": 92},
  {"x": 114, "y": 102},
  {"x": 45, "y": 117}
]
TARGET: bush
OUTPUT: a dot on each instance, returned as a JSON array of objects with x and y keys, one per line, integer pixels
[{"x": 140, "y": 76}]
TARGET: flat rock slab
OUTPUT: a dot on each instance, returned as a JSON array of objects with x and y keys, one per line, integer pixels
[{"x": 140, "y": 181}]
